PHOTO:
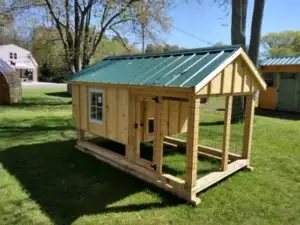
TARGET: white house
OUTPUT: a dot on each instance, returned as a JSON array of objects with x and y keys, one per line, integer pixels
[{"x": 20, "y": 59}]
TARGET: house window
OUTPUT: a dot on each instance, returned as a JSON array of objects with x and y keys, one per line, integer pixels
[
  {"x": 11, "y": 55},
  {"x": 96, "y": 111},
  {"x": 15, "y": 56},
  {"x": 270, "y": 79}
]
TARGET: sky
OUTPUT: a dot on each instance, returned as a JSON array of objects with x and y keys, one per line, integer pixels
[{"x": 211, "y": 24}]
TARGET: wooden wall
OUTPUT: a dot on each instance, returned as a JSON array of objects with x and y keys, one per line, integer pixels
[
  {"x": 236, "y": 78},
  {"x": 268, "y": 99},
  {"x": 115, "y": 126},
  {"x": 175, "y": 120}
]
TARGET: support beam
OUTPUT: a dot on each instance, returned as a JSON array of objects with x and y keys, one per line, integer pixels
[
  {"x": 137, "y": 127},
  {"x": 158, "y": 135},
  {"x": 248, "y": 128},
  {"x": 212, "y": 178},
  {"x": 192, "y": 144},
  {"x": 202, "y": 150},
  {"x": 80, "y": 134},
  {"x": 226, "y": 135},
  {"x": 130, "y": 154}
]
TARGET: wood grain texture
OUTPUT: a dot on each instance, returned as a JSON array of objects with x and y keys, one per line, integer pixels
[
  {"x": 226, "y": 134},
  {"x": 192, "y": 144},
  {"x": 248, "y": 127}
]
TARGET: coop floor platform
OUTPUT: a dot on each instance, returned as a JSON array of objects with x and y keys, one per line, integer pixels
[{"x": 166, "y": 181}]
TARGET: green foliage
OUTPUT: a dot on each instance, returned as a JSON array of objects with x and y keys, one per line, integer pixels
[
  {"x": 49, "y": 52},
  {"x": 219, "y": 43},
  {"x": 161, "y": 48},
  {"x": 282, "y": 43}
]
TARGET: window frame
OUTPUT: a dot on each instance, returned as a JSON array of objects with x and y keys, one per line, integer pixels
[
  {"x": 91, "y": 91},
  {"x": 15, "y": 55},
  {"x": 11, "y": 55}
]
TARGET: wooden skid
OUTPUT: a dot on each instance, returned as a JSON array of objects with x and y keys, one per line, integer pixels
[
  {"x": 165, "y": 181},
  {"x": 215, "y": 177},
  {"x": 202, "y": 150}
]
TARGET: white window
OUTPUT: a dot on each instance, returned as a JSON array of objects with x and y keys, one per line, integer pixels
[{"x": 96, "y": 105}]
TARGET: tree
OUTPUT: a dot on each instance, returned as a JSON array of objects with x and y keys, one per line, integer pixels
[
  {"x": 82, "y": 24},
  {"x": 151, "y": 48},
  {"x": 219, "y": 43},
  {"x": 282, "y": 43},
  {"x": 238, "y": 28}
]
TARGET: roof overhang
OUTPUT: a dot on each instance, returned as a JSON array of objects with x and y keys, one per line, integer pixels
[
  {"x": 239, "y": 53},
  {"x": 23, "y": 66},
  {"x": 280, "y": 68}
]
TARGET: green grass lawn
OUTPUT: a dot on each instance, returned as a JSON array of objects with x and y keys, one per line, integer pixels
[{"x": 44, "y": 180}]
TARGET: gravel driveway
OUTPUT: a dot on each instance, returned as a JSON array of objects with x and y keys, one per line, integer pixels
[{"x": 33, "y": 85}]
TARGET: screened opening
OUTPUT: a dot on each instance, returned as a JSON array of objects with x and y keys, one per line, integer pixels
[{"x": 96, "y": 109}]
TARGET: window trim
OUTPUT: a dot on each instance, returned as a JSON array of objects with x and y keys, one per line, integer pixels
[{"x": 96, "y": 90}]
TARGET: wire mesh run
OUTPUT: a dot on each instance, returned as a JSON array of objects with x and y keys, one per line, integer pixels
[{"x": 212, "y": 121}]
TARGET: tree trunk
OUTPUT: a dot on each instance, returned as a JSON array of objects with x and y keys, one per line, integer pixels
[
  {"x": 257, "y": 18},
  {"x": 238, "y": 28}
]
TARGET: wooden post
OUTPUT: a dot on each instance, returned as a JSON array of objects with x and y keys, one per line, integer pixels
[
  {"x": 80, "y": 134},
  {"x": 130, "y": 156},
  {"x": 158, "y": 135},
  {"x": 249, "y": 116},
  {"x": 192, "y": 144},
  {"x": 226, "y": 135},
  {"x": 137, "y": 127}
]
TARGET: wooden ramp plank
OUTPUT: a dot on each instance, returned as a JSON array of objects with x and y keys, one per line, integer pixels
[{"x": 215, "y": 177}]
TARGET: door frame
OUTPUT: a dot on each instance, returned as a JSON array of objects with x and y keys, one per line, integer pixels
[{"x": 138, "y": 98}]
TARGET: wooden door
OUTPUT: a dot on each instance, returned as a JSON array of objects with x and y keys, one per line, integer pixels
[
  {"x": 144, "y": 105},
  {"x": 288, "y": 92}
]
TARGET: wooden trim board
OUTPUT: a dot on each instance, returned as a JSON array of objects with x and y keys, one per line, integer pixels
[{"x": 202, "y": 150}]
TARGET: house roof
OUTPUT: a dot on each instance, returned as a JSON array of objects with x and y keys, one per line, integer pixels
[
  {"x": 185, "y": 68},
  {"x": 281, "y": 60}
]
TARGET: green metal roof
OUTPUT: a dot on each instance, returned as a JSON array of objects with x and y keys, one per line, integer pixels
[
  {"x": 185, "y": 68},
  {"x": 281, "y": 60}
]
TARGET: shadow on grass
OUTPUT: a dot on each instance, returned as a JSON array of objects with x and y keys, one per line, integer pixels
[
  {"x": 68, "y": 184},
  {"x": 62, "y": 94},
  {"x": 211, "y": 123},
  {"x": 277, "y": 114},
  {"x": 38, "y": 101}
]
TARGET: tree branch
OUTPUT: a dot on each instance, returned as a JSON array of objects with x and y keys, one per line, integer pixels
[{"x": 119, "y": 36}]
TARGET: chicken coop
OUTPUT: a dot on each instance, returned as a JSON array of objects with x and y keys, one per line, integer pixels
[{"x": 159, "y": 99}]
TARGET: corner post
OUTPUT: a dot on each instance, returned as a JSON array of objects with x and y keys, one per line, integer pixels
[
  {"x": 192, "y": 145},
  {"x": 80, "y": 135},
  {"x": 226, "y": 137},
  {"x": 158, "y": 135},
  {"x": 248, "y": 128}
]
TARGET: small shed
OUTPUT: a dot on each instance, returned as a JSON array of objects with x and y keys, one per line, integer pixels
[
  {"x": 132, "y": 99},
  {"x": 10, "y": 84},
  {"x": 282, "y": 75}
]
